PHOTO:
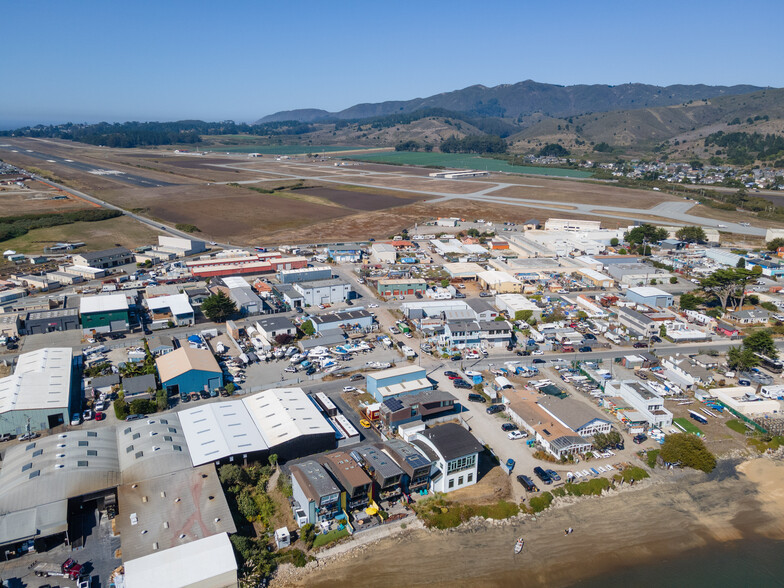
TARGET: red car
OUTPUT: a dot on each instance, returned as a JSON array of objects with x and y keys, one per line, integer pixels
[{"x": 99, "y": 416}]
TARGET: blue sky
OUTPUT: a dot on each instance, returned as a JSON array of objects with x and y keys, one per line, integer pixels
[{"x": 169, "y": 60}]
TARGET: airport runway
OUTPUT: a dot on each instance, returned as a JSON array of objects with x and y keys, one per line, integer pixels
[{"x": 131, "y": 179}]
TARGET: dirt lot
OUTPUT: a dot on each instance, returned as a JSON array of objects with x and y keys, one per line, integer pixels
[
  {"x": 584, "y": 192},
  {"x": 37, "y": 197},
  {"x": 356, "y": 200},
  {"x": 493, "y": 485}
]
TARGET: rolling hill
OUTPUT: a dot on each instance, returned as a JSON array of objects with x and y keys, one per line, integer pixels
[{"x": 526, "y": 98}]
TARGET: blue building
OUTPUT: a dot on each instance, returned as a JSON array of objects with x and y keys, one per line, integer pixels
[
  {"x": 345, "y": 253},
  {"x": 188, "y": 369},
  {"x": 650, "y": 296},
  {"x": 400, "y": 381}
]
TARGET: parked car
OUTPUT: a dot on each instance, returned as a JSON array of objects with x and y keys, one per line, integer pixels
[
  {"x": 542, "y": 475},
  {"x": 508, "y": 427},
  {"x": 87, "y": 415},
  {"x": 348, "y": 388},
  {"x": 638, "y": 439},
  {"x": 537, "y": 352},
  {"x": 537, "y": 360},
  {"x": 364, "y": 423},
  {"x": 291, "y": 369},
  {"x": 527, "y": 483},
  {"x": 195, "y": 396},
  {"x": 656, "y": 339},
  {"x": 461, "y": 384},
  {"x": 99, "y": 416},
  {"x": 185, "y": 397},
  {"x": 510, "y": 464},
  {"x": 514, "y": 435},
  {"x": 134, "y": 417},
  {"x": 451, "y": 375},
  {"x": 6, "y": 437},
  {"x": 356, "y": 378},
  {"x": 456, "y": 357},
  {"x": 553, "y": 475},
  {"x": 585, "y": 349},
  {"x": 476, "y": 398},
  {"x": 640, "y": 345},
  {"x": 76, "y": 419},
  {"x": 495, "y": 408},
  {"x": 28, "y": 436}
]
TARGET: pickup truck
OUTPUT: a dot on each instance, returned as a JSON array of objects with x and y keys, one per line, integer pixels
[{"x": 70, "y": 569}]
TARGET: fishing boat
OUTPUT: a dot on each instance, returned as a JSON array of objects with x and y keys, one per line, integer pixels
[{"x": 519, "y": 545}]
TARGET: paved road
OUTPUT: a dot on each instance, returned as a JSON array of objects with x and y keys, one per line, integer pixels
[
  {"x": 126, "y": 178},
  {"x": 673, "y": 212}
]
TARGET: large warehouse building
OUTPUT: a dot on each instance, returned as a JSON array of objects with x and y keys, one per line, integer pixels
[{"x": 40, "y": 391}]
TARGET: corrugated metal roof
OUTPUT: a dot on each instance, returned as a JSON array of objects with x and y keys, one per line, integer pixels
[
  {"x": 283, "y": 414},
  {"x": 41, "y": 380},
  {"x": 218, "y": 430},
  {"x": 103, "y": 303}
]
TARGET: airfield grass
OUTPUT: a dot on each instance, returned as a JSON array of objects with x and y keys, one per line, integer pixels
[{"x": 96, "y": 235}]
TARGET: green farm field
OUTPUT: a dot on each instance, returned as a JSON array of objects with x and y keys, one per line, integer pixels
[{"x": 456, "y": 160}]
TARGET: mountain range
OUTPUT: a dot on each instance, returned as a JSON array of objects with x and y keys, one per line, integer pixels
[{"x": 525, "y": 99}]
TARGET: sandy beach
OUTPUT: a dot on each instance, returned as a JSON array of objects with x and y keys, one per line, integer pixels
[{"x": 674, "y": 512}]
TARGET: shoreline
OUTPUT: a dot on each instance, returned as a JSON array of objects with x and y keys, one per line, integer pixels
[{"x": 666, "y": 516}]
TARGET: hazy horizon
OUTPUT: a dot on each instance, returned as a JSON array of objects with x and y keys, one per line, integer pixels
[{"x": 92, "y": 61}]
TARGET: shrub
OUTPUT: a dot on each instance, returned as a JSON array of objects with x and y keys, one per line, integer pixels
[
  {"x": 121, "y": 409},
  {"x": 651, "y": 457},
  {"x": 142, "y": 406},
  {"x": 187, "y": 228},
  {"x": 689, "y": 451},
  {"x": 541, "y": 502},
  {"x": 634, "y": 474}
]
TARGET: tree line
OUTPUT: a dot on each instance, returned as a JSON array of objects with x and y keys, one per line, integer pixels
[
  {"x": 745, "y": 148},
  {"x": 16, "y": 226}
]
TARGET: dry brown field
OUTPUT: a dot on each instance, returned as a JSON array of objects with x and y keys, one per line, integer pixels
[{"x": 587, "y": 193}]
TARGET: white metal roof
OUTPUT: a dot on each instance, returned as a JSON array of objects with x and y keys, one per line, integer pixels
[
  {"x": 397, "y": 371},
  {"x": 218, "y": 430},
  {"x": 189, "y": 564},
  {"x": 647, "y": 291},
  {"x": 235, "y": 282},
  {"x": 496, "y": 277},
  {"x": 103, "y": 303},
  {"x": 283, "y": 414},
  {"x": 41, "y": 380},
  {"x": 593, "y": 274},
  {"x": 177, "y": 303}
]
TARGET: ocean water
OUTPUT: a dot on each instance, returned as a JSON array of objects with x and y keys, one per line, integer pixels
[{"x": 757, "y": 563}]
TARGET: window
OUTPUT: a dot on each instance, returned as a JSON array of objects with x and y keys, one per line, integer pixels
[
  {"x": 34, "y": 474},
  {"x": 37, "y": 452},
  {"x": 460, "y": 481},
  {"x": 167, "y": 438},
  {"x": 452, "y": 483},
  {"x": 164, "y": 422},
  {"x": 470, "y": 478},
  {"x": 29, "y": 447},
  {"x": 126, "y": 431},
  {"x": 462, "y": 463},
  {"x": 82, "y": 464},
  {"x": 27, "y": 466},
  {"x": 139, "y": 454},
  {"x": 83, "y": 443},
  {"x": 92, "y": 434}
]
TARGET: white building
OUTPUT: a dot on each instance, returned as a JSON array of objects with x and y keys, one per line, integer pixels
[
  {"x": 383, "y": 253},
  {"x": 329, "y": 291},
  {"x": 174, "y": 308},
  {"x": 511, "y": 304},
  {"x": 455, "y": 453},
  {"x": 643, "y": 399}
]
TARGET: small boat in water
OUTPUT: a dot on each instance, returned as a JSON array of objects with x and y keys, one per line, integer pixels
[{"x": 519, "y": 546}]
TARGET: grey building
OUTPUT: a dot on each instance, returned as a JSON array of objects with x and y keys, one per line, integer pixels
[
  {"x": 247, "y": 301},
  {"x": 305, "y": 274},
  {"x": 277, "y": 325},
  {"x": 482, "y": 309},
  {"x": 47, "y": 321},
  {"x": 290, "y": 295},
  {"x": 104, "y": 259},
  {"x": 139, "y": 387},
  {"x": 316, "y": 496}
]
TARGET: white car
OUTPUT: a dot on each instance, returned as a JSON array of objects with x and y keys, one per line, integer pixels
[
  {"x": 408, "y": 335},
  {"x": 372, "y": 305},
  {"x": 513, "y": 435},
  {"x": 348, "y": 388},
  {"x": 537, "y": 352}
]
